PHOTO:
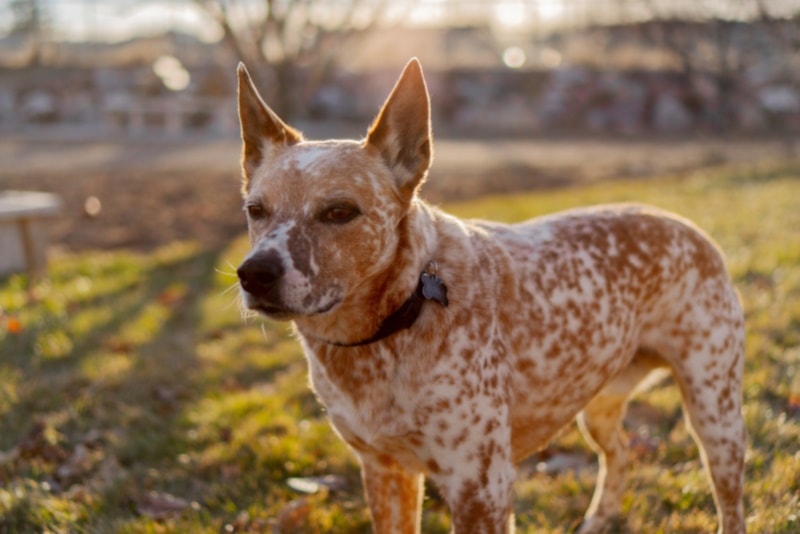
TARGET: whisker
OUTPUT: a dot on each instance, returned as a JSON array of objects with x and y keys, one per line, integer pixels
[
  {"x": 231, "y": 274},
  {"x": 231, "y": 288},
  {"x": 245, "y": 312},
  {"x": 236, "y": 300},
  {"x": 233, "y": 270},
  {"x": 264, "y": 330}
]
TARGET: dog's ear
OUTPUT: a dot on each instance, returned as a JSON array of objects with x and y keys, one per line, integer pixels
[
  {"x": 262, "y": 130},
  {"x": 402, "y": 130}
]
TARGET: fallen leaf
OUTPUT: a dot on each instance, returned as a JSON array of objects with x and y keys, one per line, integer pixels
[
  {"x": 312, "y": 485},
  {"x": 160, "y": 506},
  {"x": 303, "y": 485},
  {"x": 118, "y": 346},
  {"x": 226, "y": 434},
  {"x": 82, "y": 460},
  {"x": 229, "y": 472},
  {"x": 37, "y": 444},
  {"x": 642, "y": 446},
  {"x": 172, "y": 296},
  {"x": 242, "y": 521},
  {"x": 78, "y": 493},
  {"x": 564, "y": 461},
  {"x": 8, "y": 457},
  {"x": 13, "y": 325},
  {"x": 93, "y": 438},
  {"x": 77, "y": 464},
  {"x": 110, "y": 471},
  {"x": 794, "y": 403},
  {"x": 294, "y": 516}
]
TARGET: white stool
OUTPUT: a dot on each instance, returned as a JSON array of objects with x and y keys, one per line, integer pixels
[{"x": 23, "y": 230}]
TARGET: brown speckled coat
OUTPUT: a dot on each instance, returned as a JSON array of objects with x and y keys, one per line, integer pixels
[{"x": 548, "y": 320}]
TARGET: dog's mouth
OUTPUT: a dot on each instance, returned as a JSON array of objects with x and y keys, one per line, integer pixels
[
  {"x": 272, "y": 312},
  {"x": 282, "y": 313}
]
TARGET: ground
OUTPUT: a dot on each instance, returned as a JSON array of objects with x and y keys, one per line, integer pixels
[
  {"x": 152, "y": 191},
  {"x": 134, "y": 397}
]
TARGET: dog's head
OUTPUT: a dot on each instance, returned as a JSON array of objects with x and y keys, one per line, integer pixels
[{"x": 323, "y": 216}]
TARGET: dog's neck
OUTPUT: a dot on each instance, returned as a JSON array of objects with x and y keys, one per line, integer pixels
[
  {"x": 361, "y": 315},
  {"x": 429, "y": 288}
]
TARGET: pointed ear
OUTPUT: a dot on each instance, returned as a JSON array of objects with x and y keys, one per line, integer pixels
[
  {"x": 402, "y": 131},
  {"x": 262, "y": 130}
]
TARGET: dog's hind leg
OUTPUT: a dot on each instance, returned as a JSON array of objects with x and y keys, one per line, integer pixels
[
  {"x": 705, "y": 348},
  {"x": 394, "y": 495},
  {"x": 712, "y": 401},
  {"x": 601, "y": 424}
]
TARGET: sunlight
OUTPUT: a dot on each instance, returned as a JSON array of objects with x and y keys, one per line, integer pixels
[
  {"x": 550, "y": 9},
  {"x": 510, "y": 13},
  {"x": 112, "y": 21},
  {"x": 115, "y": 22},
  {"x": 172, "y": 73},
  {"x": 426, "y": 13},
  {"x": 517, "y": 13},
  {"x": 514, "y": 57},
  {"x": 514, "y": 13}
]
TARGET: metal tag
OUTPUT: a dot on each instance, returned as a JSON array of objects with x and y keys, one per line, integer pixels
[{"x": 433, "y": 288}]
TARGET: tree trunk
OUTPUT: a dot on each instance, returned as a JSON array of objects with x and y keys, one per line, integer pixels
[{"x": 284, "y": 105}]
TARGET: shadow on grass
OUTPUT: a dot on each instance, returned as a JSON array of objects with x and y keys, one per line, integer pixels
[
  {"x": 111, "y": 394},
  {"x": 152, "y": 382}
]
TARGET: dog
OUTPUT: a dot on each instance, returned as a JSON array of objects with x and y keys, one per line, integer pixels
[{"x": 453, "y": 349}]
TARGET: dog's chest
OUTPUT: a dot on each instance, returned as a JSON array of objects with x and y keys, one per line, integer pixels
[
  {"x": 369, "y": 396},
  {"x": 414, "y": 401}
]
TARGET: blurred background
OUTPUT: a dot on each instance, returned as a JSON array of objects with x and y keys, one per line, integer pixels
[
  {"x": 134, "y": 395},
  {"x": 96, "y": 97}
]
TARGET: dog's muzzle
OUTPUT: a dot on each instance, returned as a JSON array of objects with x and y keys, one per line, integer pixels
[{"x": 260, "y": 277}]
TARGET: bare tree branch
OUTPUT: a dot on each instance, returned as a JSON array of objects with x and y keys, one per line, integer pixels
[{"x": 292, "y": 34}]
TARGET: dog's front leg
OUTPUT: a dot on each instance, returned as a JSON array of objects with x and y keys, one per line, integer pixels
[
  {"x": 483, "y": 506},
  {"x": 394, "y": 494},
  {"x": 476, "y": 475}
]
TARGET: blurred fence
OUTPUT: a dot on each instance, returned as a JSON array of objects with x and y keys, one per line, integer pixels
[{"x": 519, "y": 67}]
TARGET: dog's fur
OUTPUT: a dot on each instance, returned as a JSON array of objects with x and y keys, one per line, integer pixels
[{"x": 548, "y": 320}]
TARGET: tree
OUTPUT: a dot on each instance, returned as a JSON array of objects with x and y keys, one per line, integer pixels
[
  {"x": 721, "y": 44},
  {"x": 29, "y": 22},
  {"x": 276, "y": 37},
  {"x": 27, "y": 17}
]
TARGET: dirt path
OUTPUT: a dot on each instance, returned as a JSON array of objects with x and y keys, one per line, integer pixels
[{"x": 153, "y": 191}]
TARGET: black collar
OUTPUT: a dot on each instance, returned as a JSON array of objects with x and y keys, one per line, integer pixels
[{"x": 429, "y": 287}]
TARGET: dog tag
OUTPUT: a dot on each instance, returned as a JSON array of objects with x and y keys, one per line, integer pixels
[{"x": 433, "y": 288}]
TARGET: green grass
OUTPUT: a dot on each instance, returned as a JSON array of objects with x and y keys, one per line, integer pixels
[{"x": 127, "y": 378}]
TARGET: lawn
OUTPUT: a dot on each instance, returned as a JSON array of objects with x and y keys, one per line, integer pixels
[{"x": 136, "y": 397}]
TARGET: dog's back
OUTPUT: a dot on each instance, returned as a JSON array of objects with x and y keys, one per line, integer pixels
[{"x": 590, "y": 289}]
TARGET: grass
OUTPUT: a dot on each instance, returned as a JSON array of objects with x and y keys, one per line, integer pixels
[{"x": 135, "y": 398}]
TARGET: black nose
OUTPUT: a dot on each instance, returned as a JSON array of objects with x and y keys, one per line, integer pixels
[{"x": 260, "y": 273}]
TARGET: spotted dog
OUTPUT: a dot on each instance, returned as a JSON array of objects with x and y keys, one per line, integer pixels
[{"x": 453, "y": 349}]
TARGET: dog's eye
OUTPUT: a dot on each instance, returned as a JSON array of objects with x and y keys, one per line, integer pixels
[
  {"x": 339, "y": 214},
  {"x": 256, "y": 211}
]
